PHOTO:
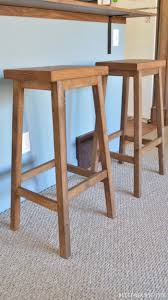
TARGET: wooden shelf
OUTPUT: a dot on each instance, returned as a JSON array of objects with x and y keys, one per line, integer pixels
[{"x": 68, "y": 10}]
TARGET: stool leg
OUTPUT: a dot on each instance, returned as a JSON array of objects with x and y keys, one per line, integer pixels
[
  {"x": 59, "y": 126},
  {"x": 95, "y": 155},
  {"x": 18, "y": 105},
  {"x": 95, "y": 151},
  {"x": 160, "y": 121},
  {"x": 137, "y": 134},
  {"x": 124, "y": 114},
  {"x": 103, "y": 146}
]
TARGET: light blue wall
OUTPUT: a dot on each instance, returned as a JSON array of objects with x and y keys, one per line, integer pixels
[{"x": 29, "y": 42}]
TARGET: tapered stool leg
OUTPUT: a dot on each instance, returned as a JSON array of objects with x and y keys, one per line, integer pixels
[
  {"x": 59, "y": 123},
  {"x": 18, "y": 104},
  {"x": 160, "y": 121},
  {"x": 103, "y": 147},
  {"x": 95, "y": 151},
  {"x": 124, "y": 114},
  {"x": 137, "y": 135}
]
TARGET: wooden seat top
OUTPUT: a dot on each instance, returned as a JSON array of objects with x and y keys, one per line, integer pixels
[
  {"x": 132, "y": 64},
  {"x": 55, "y": 73}
]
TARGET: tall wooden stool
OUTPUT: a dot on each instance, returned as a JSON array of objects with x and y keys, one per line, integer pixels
[
  {"x": 134, "y": 131},
  {"x": 58, "y": 80}
]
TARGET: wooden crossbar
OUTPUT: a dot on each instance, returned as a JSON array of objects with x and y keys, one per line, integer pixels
[
  {"x": 115, "y": 135},
  {"x": 131, "y": 140},
  {"x": 84, "y": 185},
  {"x": 38, "y": 199},
  {"x": 121, "y": 157},
  {"x": 151, "y": 145},
  {"x": 37, "y": 170},
  {"x": 51, "y": 164},
  {"x": 72, "y": 193}
]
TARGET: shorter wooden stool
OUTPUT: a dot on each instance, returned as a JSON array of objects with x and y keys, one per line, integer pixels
[
  {"x": 58, "y": 80},
  {"x": 134, "y": 131}
]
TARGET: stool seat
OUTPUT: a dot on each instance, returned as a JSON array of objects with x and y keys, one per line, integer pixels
[
  {"x": 52, "y": 74},
  {"x": 132, "y": 64}
]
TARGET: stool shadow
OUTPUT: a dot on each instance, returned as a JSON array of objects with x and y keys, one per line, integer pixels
[
  {"x": 4, "y": 224},
  {"x": 42, "y": 246},
  {"x": 125, "y": 192},
  {"x": 98, "y": 212}
]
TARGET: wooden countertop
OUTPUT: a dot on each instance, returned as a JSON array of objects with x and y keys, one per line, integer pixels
[{"x": 72, "y": 9}]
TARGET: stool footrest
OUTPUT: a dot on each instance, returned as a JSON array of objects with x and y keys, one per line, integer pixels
[
  {"x": 131, "y": 140},
  {"x": 38, "y": 199},
  {"x": 84, "y": 185},
  {"x": 121, "y": 157},
  {"x": 115, "y": 135},
  {"x": 149, "y": 146},
  {"x": 51, "y": 164},
  {"x": 37, "y": 170},
  {"x": 72, "y": 192}
]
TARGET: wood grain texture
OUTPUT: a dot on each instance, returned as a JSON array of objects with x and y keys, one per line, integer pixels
[
  {"x": 124, "y": 114},
  {"x": 37, "y": 170},
  {"x": 86, "y": 184},
  {"x": 137, "y": 135},
  {"x": 95, "y": 151},
  {"x": 76, "y": 7},
  {"x": 133, "y": 65},
  {"x": 51, "y": 164},
  {"x": 80, "y": 83},
  {"x": 59, "y": 125},
  {"x": 54, "y": 73},
  {"x": 150, "y": 145},
  {"x": 115, "y": 135},
  {"x": 146, "y": 128},
  {"x": 122, "y": 157},
  {"x": 41, "y": 13},
  {"x": 38, "y": 199},
  {"x": 17, "y": 126},
  {"x": 104, "y": 147},
  {"x": 17, "y": 11},
  {"x": 134, "y": 130},
  {"x": 91, "y": 76},
  {"x": 160, "y": 121}
]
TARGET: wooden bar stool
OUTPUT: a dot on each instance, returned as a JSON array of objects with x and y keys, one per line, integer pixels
[
  {"x": 134, "y": 131},
  {"x": 58, "y": 80}
]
